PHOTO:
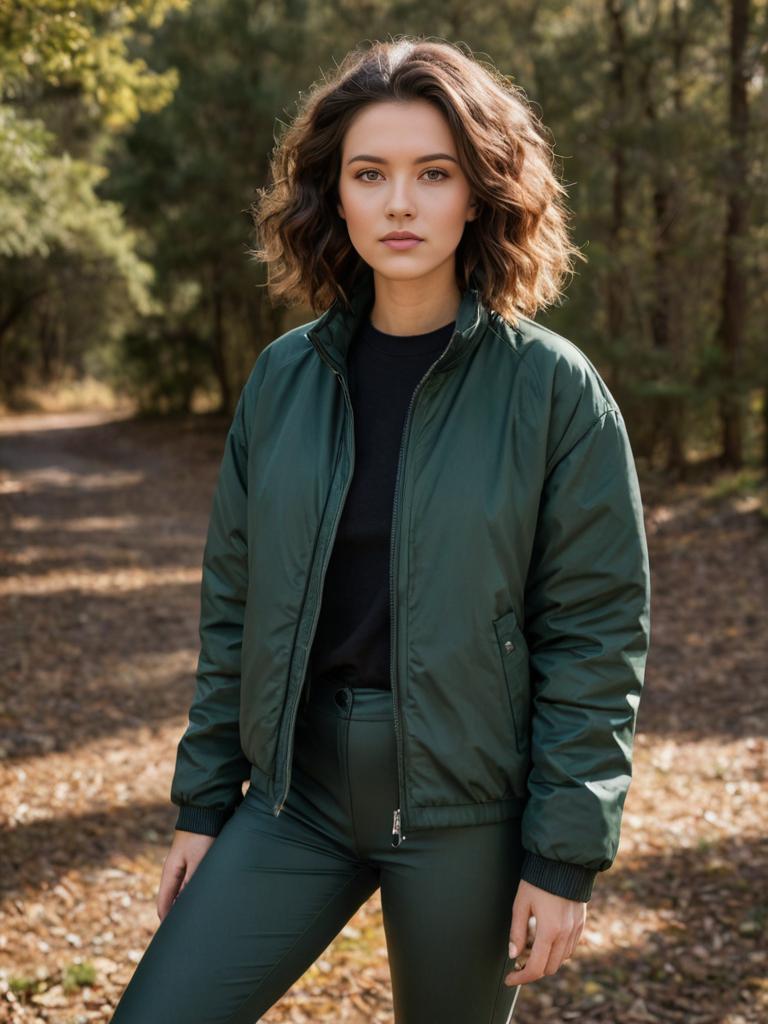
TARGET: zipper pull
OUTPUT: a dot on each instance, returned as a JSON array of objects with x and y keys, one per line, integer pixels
[{"x": 397, "y": 835}]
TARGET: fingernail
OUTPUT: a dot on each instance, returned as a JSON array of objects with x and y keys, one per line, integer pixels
[{"x": 512, "y": 951}]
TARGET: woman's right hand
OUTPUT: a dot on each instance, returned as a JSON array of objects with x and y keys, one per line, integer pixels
[{"x": 186, "y": 852}]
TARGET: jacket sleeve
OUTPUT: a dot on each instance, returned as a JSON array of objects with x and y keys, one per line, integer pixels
[
  {"x": 587, "y": 612},
  {"x": 210, "y": 764}
]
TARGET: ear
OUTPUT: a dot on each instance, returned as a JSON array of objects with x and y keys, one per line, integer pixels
[
  {"x": 474, "y": 209},
  {"x": 340, "y": 210}
]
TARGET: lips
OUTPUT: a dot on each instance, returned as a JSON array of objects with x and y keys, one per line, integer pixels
[{"x": 401, "y": 240}]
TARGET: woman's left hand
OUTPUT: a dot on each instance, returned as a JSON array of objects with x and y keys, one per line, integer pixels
[{"x": 559, "y": 923}]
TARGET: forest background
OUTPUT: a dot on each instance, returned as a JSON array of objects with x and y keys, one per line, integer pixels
[{"x": 133, "y": 137}]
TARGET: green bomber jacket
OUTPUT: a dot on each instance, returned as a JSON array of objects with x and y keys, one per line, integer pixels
[{"x": 519, "y": 588}]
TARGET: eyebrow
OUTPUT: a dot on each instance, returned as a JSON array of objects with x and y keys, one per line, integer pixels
[{"x": 419, "y": 160}]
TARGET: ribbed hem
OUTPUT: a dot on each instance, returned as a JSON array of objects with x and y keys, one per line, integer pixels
[
  {"x": 573, "y": 881},
  {"x": 208, "y": 821}
]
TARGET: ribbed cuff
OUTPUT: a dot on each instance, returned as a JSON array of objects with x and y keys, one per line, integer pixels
[
  {"x": 573, "y": 881},
  {"x": 208, "y": 821}
]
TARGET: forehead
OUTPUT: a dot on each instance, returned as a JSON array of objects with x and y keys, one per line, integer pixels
[{"x": 399, "y": 130}]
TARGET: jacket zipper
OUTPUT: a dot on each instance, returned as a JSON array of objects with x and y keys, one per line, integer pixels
[
  {"x": 281, "y": 803},
  {"x": 398, "y": 836},
  {"x": 398, "y": 823}
]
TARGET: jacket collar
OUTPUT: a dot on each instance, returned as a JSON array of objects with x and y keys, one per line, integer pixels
[{"x": 332, "y": 333}]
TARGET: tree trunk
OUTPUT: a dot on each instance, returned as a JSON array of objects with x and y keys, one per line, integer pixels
[
  {"x": 617, "y": 104},
  {"x": 733, "y": 312},
  {"x": 667, "y": 324},
  {"x": 219, "y": 341}
]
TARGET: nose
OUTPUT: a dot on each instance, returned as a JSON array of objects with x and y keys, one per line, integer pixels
[{"x": 399, "y": 203}]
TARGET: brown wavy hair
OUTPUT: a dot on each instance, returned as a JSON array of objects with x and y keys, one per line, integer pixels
[{"x": 516, "y": 252}]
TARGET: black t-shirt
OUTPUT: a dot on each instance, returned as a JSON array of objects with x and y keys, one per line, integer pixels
[{"x": 352, "y": 642}]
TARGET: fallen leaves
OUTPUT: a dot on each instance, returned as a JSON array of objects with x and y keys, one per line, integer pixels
[{"x": 102, "y": 531}]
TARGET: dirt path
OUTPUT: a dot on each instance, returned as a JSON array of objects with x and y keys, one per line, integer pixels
[{"x": 102, "y": 523}]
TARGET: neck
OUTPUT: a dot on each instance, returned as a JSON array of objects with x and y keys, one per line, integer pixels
[{"x": 417, "y": 305}]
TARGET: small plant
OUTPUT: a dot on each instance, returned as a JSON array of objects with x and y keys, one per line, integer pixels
[
  {"x": 26, "y": 986},
  {"x": 77, "y": 975}
]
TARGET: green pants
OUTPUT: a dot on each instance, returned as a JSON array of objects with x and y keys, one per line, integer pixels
[{"x": 273, "y": 892}]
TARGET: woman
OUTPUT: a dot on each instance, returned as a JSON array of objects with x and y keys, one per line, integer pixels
[{"x": 425, "y": 595}]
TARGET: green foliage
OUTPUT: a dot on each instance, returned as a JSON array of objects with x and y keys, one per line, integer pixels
[
  {"x": 71, "y": 268},
  {"x": 77, "y": 975},
  {"x": 83, "y": 46},
  {"x": 23, "y": 986},
  {"x": 159, "y": 366},
  {"x": 132, "y": 138}
]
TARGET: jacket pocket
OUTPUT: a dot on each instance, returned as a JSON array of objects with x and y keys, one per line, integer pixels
[{"x": 513, "y": 651}]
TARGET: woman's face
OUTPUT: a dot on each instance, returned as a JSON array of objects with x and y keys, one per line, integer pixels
[{"x": 385, "y": 185}]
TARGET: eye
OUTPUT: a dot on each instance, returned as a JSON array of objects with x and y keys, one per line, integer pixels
[
  {"x": 430, "y": 170},
  {"x": 440, "y": 172}
]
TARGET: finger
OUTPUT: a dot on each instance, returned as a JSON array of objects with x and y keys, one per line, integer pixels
[
  {"x": 568, "y": 950},
  {"x": 557, "y": 953},
  {"x": 577, "y": 933},
  {"x": 518, "y": 934},
  {"x": 164, "y": 900},
  {"x": 171, "y": 884},
  {"x": 534, "y": 968}
]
